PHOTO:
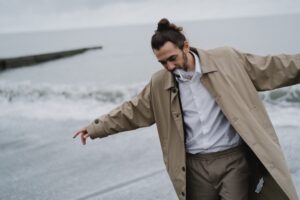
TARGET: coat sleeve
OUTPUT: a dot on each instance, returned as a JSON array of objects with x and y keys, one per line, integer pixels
[
  {"x": 132, "y": 114},
  {"x": 272, "y": 71}
]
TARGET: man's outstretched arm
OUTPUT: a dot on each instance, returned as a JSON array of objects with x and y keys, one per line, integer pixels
[
  {"x": 132, "y": 114},
  {"x": 272, "y": 71}
]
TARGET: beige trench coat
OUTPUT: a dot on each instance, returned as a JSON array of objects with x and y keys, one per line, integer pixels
[{"x": 233, "y": 79}]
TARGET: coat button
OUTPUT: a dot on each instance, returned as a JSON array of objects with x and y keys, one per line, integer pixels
[
  {"x": 182, "y": 193},
  {"x": 96, "y": 121},
  {"x": 174, "y": 90},
  {"x": 183, "y": 169}
]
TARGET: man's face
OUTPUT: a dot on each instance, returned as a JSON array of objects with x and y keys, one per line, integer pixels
[{"x": 171, "y": 57}]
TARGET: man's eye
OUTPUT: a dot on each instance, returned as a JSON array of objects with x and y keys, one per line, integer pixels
[
  {"x": 170, "y": 59},
  {"x": 163, "y": 62},
  {"x": 173, "y": 58}
]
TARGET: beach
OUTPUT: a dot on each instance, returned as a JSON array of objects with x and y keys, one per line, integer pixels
[{"x": 42, "y": 106}]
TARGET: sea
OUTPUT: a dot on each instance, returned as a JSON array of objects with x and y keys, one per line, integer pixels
[{"x": 42, "y": 106}]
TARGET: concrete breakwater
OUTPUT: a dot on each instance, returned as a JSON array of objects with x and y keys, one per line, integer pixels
[{"x": 22, "y": 61}]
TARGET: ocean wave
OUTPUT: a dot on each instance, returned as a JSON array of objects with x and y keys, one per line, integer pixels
[
  {"x": 61, "y": 102},
  {"x": 27, "y": 92},
  {"x": 288, "y": 96},
  {"x": 85, "y": 102}
]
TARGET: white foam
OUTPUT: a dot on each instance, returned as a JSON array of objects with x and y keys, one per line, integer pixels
[
  {"x": 288, "y": 96},
  {"x": 61, "y": 102}
]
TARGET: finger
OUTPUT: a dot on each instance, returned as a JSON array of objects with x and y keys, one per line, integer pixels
[
  {"x": 81, "y": 131},
  {"x": 82, "y": 139},
  {"x": 86, "y": 136},
  {"x": 76, "y": 134}
]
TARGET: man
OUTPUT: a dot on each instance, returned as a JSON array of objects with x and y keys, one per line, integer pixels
[{"x": 216, "y": 137}]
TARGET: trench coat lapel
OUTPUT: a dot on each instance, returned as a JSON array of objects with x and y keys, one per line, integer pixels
[
  {"x": 207, "y": 64},
  {"x": 170, "y": 86}
]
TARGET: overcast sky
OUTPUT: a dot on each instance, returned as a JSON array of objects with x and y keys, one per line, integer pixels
[{"x": 32, "y": 15}]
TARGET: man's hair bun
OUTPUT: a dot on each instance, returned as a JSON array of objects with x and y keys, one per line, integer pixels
[
  {"x": 167, "y": 32},
  {"x": 165, "y": 25}
]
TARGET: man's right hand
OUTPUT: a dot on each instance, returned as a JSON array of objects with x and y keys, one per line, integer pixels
[{"x": 83, "y": 134}]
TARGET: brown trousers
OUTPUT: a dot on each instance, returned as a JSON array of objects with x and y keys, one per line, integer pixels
[{"x": 218, "y": 176}]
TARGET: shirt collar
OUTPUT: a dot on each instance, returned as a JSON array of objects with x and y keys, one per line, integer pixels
[
  {"x": 197, "y": 63},
  {"x": 207, "y": 66}
]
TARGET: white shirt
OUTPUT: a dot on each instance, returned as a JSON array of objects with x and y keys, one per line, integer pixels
[{"x": 207, "y": 129}]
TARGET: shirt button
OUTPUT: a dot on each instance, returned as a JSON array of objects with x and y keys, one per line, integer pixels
[{"x": 96, "y": 121}]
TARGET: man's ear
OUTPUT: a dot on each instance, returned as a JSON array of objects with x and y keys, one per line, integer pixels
[{"x": 186, "y": 47}]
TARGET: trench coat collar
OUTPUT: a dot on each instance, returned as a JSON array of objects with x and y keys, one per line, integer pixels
[{"x": 207, "y": 66}]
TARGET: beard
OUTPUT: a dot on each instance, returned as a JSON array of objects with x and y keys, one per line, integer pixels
[
  {"x": 184, "y": 65},
  {"x": 185, "y": 61}
]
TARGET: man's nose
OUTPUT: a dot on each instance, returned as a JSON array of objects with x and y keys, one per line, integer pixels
[{"x": 170, "y": 65}]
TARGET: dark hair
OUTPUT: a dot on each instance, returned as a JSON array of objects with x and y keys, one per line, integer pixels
[{"x": 165, "y": 32}]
